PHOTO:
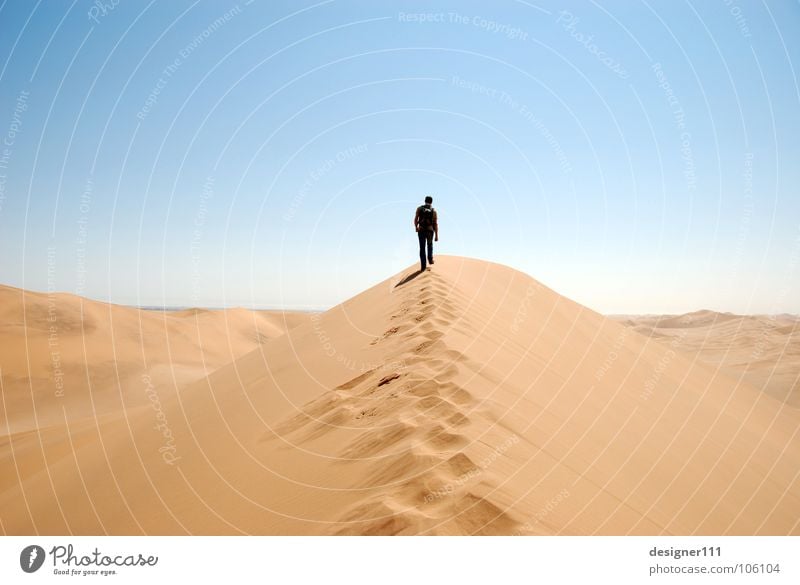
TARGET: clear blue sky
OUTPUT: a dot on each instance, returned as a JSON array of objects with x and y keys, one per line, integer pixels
[{"x": 634, "y": 156}]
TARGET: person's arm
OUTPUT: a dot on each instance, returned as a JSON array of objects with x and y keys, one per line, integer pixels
[
  {"x": 435, "y": 225},
  {"x": 416, "y": 220}
]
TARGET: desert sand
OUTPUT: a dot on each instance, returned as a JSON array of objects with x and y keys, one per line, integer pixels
[
  {"x": 762, "y": 349},
  {"x": 468, "y": 399},
  {"x": 67, "y": 356}
]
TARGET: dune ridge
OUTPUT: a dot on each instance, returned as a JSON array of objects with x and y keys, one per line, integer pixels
[{"x": 414, "y": 417}]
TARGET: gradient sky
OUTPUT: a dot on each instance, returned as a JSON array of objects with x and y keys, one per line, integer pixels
[{"x": 635, "y": 156}]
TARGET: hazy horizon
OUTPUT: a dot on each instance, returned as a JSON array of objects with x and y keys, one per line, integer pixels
[
  {"x": 638, "y": 158},
  {"x": 321, "y": 309}
]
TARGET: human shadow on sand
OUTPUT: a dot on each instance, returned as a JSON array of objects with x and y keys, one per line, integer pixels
[{"x": 408, "y": 278}]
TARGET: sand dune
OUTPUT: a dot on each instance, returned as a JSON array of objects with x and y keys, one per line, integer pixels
[
  {"x": 66, "y": 356},
  {"x": 469, "y": 399},
  {"x": 762, "y": 349}
]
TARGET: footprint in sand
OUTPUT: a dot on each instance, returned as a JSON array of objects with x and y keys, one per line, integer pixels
[
  {"x": 424, "y": 388},
  {"x": 441, "y": 439},
  {"x": 386, "y": 334},
  {"x": 387, "y": 379},
  {"x": 457, "y": 419},
  {"x": 402, "y": 312},
  {"x": 367, "y": 413},
  {"x": 423, "y": 346},
  {"x": 460, "y": 465},
  {"x": 436, "y": 407}
]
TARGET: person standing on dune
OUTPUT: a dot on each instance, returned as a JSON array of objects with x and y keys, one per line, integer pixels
[{"x": 426, "y": 223}]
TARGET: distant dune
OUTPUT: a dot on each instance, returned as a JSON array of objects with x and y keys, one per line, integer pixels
[
  {"x": 66, "y": 356},
  {"x": 762, "y": 349},
  {"x": 469, "y": 399}
]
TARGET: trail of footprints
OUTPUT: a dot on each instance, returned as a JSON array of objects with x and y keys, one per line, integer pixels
[
  {"x": 410, "y": 422},
  {"x": 430, "y": 306}
]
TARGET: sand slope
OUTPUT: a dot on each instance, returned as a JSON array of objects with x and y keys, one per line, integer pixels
[
  {"x": 469, "y": 399},
  {"x": 762, "y": 349},
  {"x": 66, "y": 356}
]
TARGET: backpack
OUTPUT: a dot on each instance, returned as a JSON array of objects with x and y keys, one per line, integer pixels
[{"x": 426, "y": 218}]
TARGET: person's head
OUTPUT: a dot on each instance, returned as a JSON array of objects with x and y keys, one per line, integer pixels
[{"x": 428, "y": 200}]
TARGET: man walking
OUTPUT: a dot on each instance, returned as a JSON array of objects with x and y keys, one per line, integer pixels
[{"x": 427, "y": 225}]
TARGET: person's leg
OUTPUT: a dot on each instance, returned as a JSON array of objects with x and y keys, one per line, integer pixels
[
  {"x": 430, "y": 247},
  {"x": 421, "y": 237}
]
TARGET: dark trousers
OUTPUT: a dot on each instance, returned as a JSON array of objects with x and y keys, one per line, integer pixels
[{"x": 425, "y": 238}]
